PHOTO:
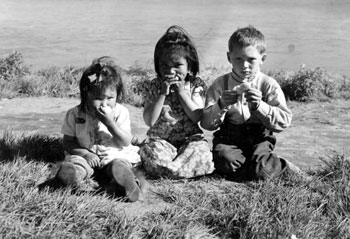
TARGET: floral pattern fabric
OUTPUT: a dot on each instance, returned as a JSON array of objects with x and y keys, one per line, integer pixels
[
  {"x": 173, "y": 124},
  {"x": 193, "y": 159}
]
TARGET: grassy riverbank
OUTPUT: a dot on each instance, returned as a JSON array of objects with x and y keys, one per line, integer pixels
[{"x": 317, "y": 206}]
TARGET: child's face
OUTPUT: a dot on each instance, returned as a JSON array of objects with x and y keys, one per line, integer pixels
[
  {"x": 173, "y": 64},
  {"x": 97, "y": 99},
  {"x": 246, "y": 61}
]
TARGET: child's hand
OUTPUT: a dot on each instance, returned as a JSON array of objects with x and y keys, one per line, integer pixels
[
  {"x": 178, "y": 84},
  {"x": 253, "y": 97},
  {"x": 106, "y": 159},
  {"x": 165, "y": 88},
  {"x": 228, "y": 97},
  {"x": 171, "y": 82},
  {"x": 92, "y": 159},
  {"x": 105, "y": 115}
]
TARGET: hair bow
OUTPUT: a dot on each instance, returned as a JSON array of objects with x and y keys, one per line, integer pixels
[{"x": 97, "y": 76}]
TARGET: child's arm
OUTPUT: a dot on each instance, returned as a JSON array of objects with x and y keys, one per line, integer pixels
[
  {"x": 273, "y": 111},
  {"x": 192, "y": 104},
  {"x": 121, "y": 136},
  {"x": 153, "y": 108},
  {"x": 216, "y": 106},
  {"x": 71, "y": 145}
]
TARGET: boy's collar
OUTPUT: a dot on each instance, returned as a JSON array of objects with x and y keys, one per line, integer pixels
[{"x": 236, "y": 77}]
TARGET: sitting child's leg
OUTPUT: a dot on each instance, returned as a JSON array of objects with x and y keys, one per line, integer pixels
[
  {"x": 121, "y": 172},
  {"x": 264, "y": 163},
  {"x": 73, "y": 170},
  {"x": 229, "y": 160},
  {"x": 194, "y": 159},
  {"x": 157, "y": 156},
  {"x": 161, "y": 159}
]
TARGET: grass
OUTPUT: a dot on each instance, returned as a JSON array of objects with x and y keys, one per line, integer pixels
[{"x": 207, "y": 207}]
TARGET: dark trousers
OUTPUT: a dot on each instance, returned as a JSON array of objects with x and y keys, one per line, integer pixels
[{"x": 245, "y": 152}]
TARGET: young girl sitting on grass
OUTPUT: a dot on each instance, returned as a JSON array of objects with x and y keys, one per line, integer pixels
[
  {"x": 175, "y": 147},
  {"x": 97, "y": 133}
]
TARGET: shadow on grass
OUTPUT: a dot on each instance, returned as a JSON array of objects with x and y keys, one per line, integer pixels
[{"x": 36, "y": 147}]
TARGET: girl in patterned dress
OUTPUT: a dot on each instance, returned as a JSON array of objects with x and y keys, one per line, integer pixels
[{"x": 173, "y": 103}]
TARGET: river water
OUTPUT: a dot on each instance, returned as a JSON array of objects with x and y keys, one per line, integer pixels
[{"x": 73, "y": 32}]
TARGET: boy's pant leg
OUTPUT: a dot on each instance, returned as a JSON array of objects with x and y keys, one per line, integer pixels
[
  {"x": 264, "y": 163},
  {"x": 250, "y": 162},
  {"x": 227, "y": 159},
  {"x": 231, "y": 148}
]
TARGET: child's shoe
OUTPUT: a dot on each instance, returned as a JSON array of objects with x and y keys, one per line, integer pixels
[
  {"x": 124, "y": 176},
  {"x": 141, "y": 179},
  {"x": 62, "y": 175},
  {"x": 292, "y": 168},
  {"x": 67, "y": 175}
]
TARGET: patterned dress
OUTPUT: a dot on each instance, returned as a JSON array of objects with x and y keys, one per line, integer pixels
[{"x": 175, "y": 147}]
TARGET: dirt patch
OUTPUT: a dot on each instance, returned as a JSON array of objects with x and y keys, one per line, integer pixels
[{"x": 316, "y": 127}]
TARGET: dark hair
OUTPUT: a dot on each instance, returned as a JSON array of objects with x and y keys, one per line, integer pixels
[
  {"x": 247, "y": 36},
  {"x": 100, "y": 75},
  {"x": 176, "y": 37}
]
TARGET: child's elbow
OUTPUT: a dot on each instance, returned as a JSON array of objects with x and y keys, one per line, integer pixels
[
  {"x": 202, "y": 124},
  {"x": 196, "y": 115},
  {"x": 148, "y": 120},
  {"x": 148, "y": 123},
  {"x": 208, "y": 122},
  {"x": 279, "y": 127},
  {"x": 205, "y": 124}
]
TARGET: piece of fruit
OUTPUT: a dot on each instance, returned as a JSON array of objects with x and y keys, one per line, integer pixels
[
  {"x": 106, "y": 109},
  {"x": 240, "y": 89}
]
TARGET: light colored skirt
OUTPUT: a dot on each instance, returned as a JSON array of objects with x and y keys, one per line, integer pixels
[{"x": 161, "y": 159}]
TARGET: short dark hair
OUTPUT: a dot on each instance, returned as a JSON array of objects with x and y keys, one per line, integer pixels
[
  {"x": 177, "y": 37},
  {"x": 90, "y": 80},
  {"x": 247, "y": 36}
]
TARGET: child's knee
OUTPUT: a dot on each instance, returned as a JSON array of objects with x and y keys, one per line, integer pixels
[
  {"x": 73, "y": 171},
  {"x": 66, "y": 174},
  {"x": 268, "y": 166},
  {"x": 227, "y": 158},
  {"x": 81, "y": 164},
  {"x": 70, "y": 174}
]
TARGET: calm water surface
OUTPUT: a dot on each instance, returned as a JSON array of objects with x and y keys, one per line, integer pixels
[{"x": 73, "y": 32}]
